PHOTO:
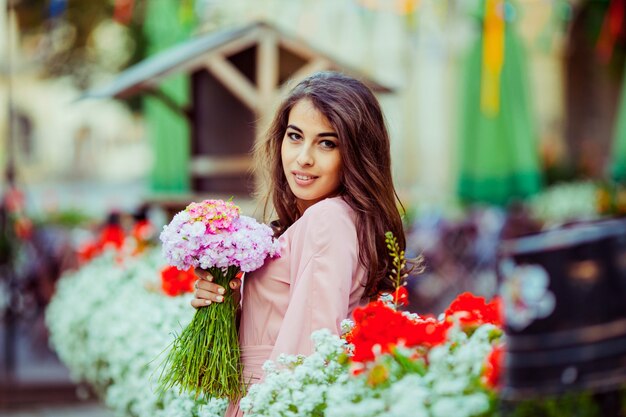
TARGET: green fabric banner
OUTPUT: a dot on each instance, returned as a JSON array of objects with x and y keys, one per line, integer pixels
[
  {"x": 168, "y": 130},
  {"x": 499, "y": 155}
]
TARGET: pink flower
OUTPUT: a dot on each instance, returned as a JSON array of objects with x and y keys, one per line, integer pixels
[{"x": 213, "y": 234}]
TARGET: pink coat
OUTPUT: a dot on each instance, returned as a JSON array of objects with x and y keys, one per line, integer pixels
[{"x": 316, "y": 283}]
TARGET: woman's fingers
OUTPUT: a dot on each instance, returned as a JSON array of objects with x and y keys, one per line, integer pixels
[
  {"x": 203, "y": 274},
  {"x": 198, "y": 302},
  {"x": 201, "y": 284},
  {"x": 208, "y": 292},
  {"x": 208, "y": 295},
  {"x": 235, "y": 285}
]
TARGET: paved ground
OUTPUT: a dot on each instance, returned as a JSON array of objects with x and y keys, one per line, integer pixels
[{"x": 91, "y": 409}]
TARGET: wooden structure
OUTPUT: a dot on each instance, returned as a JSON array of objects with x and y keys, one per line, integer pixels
[{"x": 237, "y": 75}]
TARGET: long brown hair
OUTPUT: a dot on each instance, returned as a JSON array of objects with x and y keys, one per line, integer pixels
[{"x": 367, "y": 184}]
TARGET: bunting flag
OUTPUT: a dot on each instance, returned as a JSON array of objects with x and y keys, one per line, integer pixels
[
  {"x": 612, "y": 29},
  {"x": 123, "y": 11},
  {"x": 56, "y": 8},
  {"x": 493, "y": 56}
]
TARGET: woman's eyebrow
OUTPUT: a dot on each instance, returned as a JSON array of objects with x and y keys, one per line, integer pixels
[{"x": 320, "y": 135}]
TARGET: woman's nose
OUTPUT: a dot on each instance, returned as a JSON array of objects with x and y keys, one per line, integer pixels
[{"x": 305, "y": 158}]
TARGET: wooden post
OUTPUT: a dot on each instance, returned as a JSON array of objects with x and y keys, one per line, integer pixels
[{"x": 267, "y": 79}]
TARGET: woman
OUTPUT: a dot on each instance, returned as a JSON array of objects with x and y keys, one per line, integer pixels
[{"x": 330, "y": 184}]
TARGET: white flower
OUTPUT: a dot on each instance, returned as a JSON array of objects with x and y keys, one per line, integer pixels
[
  {"x": 346, "y": 326},
  {"x": 110, "y": 331}
]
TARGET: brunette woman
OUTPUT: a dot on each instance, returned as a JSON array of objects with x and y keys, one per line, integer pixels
[{"x": 331, "y": 188}]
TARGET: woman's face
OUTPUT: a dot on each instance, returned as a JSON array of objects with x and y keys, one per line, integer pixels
[{"x": 310, "y": 155}]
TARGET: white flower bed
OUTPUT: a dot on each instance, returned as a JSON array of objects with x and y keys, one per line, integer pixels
[
  {"x": 111, "y": 325},
  {"x": 110, "y": 330},
  {"x": 321, "y": 385}
]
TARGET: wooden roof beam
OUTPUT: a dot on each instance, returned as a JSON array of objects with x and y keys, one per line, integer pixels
[
  {"x": 239, "y": 44},
  {"x": 234, "y": 80}
]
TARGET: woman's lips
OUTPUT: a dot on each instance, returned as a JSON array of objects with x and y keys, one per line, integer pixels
[{"x": 303, "y": 179}]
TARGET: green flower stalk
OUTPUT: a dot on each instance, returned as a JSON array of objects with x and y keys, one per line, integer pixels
[{"x": 205, "y": 357}]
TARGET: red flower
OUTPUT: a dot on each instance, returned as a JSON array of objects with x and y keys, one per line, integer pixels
[
  {"x": 88, "y": 251},
  {"x": 379, "y": 328},
  {"x": 112, "y": 235},
  {"x": 401, "y": 296},
  {"x": 474, "y": 311},
  {"x": 428, "y": 332},
  {"x": 493, "y": 367},
  {"x": 175, "y": 282}
]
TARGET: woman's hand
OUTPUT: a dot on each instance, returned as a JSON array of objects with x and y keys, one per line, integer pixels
[{"x": 208, "y": 292}]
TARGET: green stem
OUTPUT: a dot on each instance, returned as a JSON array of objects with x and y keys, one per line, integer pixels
[{"x": 205, "y": 357}]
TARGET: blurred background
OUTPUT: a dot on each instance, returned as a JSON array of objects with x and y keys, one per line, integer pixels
[{"x": 506, "y": 118}]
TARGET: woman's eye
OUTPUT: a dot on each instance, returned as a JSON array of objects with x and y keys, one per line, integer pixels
[
  {"x": 328, "y": 144},
  {"x": 293, "y": 136}
]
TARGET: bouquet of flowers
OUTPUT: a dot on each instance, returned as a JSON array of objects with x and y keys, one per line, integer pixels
[{"x": 212, "y": 235}]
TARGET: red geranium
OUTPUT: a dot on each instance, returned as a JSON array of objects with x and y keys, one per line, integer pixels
[
  {"x": 428, "y": 331},
  {"x": 89, "y": 251},
  {"x": 493, "y": 367},
  {"x": 474, "y": 311},
  {"x": 176, "y": 282},
  {"x": 112, "y": 235},
  {"x": 378, "y": 328},
  {"x": 401, "y": 296}
]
